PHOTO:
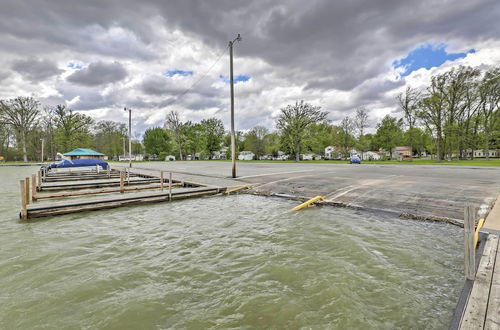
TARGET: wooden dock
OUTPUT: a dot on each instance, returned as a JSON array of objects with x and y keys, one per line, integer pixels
[
  {"x": 56, "y": 193},
  {"x": 479, "y": 305}
]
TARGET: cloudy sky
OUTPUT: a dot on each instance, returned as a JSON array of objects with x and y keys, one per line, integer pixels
[{"x": 98, "y": 56}]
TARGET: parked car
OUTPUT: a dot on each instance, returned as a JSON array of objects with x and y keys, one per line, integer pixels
[{"x": 355, "y": 160}]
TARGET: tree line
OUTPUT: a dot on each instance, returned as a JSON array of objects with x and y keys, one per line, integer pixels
[{"x": 456, "y": 113}]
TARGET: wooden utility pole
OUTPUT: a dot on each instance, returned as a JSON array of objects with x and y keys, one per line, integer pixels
[{"x": 233, "y": 137}]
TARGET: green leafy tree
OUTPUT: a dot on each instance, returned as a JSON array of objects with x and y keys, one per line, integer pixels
[
  {"x": 212, "y": 135},
  {"x": 255, "y": 142},
  {"x": 156, "y": 141},
  {"x": 389, "y": 133},
  {"x": 72, "y": 129},
  {"x": 109, "y": 137},
  {"x": 294, "y": 122}
]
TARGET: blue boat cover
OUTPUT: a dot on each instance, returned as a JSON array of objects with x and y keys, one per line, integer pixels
[{"x": 65, "y": 163}]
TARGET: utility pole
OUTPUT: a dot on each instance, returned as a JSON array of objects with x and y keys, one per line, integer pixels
[
  {"x": 42, "y": 148},
  {"x": 129, "y": 136},
  {"x": 233, "y": 137}
]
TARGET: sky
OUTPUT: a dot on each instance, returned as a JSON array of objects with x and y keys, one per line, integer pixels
[{"x": 154, "y": 56}]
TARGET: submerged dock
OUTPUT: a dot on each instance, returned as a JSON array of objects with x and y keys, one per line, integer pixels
[{"x": 56, "y": 193}]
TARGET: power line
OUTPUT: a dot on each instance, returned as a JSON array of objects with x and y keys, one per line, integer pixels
[{"x": 199, "y": 79}]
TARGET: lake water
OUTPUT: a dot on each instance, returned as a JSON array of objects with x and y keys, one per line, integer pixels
[{"x": 224, "y": 262}]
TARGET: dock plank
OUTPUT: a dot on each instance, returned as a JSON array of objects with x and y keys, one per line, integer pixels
[
  {"x": 475, "y": 311},
  {"x": 493, "y": 312}
]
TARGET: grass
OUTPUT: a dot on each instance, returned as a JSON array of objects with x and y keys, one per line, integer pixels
[{"x": 475, "y": 162}]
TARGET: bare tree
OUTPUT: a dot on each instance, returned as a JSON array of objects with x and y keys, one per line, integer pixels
[
  {"x": 176, "y": 127},
  {"x": 361, "y": 120},
  {"x": 409, "y": 104},
  {"x": 347, "y": 128},
  {"x": 22, "y": 114}
]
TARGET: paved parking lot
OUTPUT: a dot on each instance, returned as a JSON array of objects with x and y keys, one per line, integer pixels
[{"x": 421, "y": 190}]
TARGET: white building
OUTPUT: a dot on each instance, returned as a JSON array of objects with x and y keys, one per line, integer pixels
[
  {"x": 169, "y": 157},
  {"x": 246, "y": 155},
  {"x": 307, "y": 156},
  {"x": 371, "y": 155},
  {"x": 123, "y": 158},
  {"x": 329, "y": 152}
]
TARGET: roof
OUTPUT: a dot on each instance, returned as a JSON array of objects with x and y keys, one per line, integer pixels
[{"x": 83, "y": 152}]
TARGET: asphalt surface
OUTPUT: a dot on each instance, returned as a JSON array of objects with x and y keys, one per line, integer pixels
[{"x": 419, "y": 190}]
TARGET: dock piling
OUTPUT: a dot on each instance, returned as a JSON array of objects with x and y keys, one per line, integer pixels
[
  {"x": 122, "y": 182},
  {"x": 469, "y": 245},
  {"x": 27, "y": 188},
  {"x": 170, "y": 187},
  {"x": 33, "y": 188},
  {"x": 161, "y": 180},
  {"x": 24, "y": 213}
]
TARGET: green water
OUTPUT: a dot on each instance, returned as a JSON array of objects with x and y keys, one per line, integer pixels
[{"x": 224, "y": 262}]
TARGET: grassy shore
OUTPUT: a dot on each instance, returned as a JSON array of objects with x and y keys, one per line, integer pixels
[{"x": 475, "y": 162}]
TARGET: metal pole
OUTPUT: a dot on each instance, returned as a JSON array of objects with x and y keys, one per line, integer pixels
[
  {"x": 129, "y": 137},
  {"x": 42, "y": 148},
  {"x": 233, "y": 137}
]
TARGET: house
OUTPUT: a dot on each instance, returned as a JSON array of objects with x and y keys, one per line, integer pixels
[
  {"x": 246, "y": 155},
  {"x": 82, "y": 153},
  {"x": 403, "y": 151},
  {"x": 481, "y": 153},
  {"x": 371, "y": 155},
  {"x": 307, "y": 156},
  {"x": 123, "y": 158},
  {"x": 169, "y": 157},
  {"x": 329, "y": 152},
  {"x": 281, "y": 156}
]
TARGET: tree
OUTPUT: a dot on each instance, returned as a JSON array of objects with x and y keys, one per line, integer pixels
[
  {"x": 409, "y": 104},
  {"x": 389, "y": 133},
  {"x": 255, "y": 142},
  {"x": 178, "y": 131},
  {"x": 22, "y": 114},
  {"x": 346, "y": 130},
  {"x": 212, "y": 135},
  {"x": 156, "y": 141},
  {"x": 293, "y": 123},
  {"x": 432, "y": 111},
  {"x": 490, "y": 100},
  {"x": 361, "y": 121},
  {"x": 109, "y": 137},
  {"x": 72, "y": 129}
]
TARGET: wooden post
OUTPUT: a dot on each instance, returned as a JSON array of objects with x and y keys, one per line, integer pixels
[
  {"x": 24, "y": 213},
  {"x": 97, "y": 169},
  {"x": 128, "y": 175},
  {"x": 33, "y": 187},
  {"x": 161, "y": 180},
  {"x": 122, "y": 182},
  {"x": 170, "y": 187},
  {"x": 109, "y": 173},
  {"x": 469, "y": 252},
  {"x": 27, "y": 189},
  {"x": 39, "y": 180}
]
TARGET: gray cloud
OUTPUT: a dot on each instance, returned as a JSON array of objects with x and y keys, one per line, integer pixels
[
  {"x": 35, "y": 70},
  {"x": 330, "y": 49},
  {"x": 98, "y": 73}
]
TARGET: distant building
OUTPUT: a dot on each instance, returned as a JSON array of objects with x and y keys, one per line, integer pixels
[
  {"x": 403, "y": 151},
  {"x": 246, "y": 155},
  {"x": 329, "y": 152},
  {"x": 82, "y": 153},
  {"x": 123, "y": 158},
  {"x": 371, "y": 155},
  {"x": 481, "y": 153},
  {"x": 307, "y": 156}
]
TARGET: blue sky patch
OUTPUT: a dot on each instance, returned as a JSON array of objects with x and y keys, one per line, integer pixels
[
  {"x": 237, "y": 79},
  {"x": 176, "y": 72},
  {"x": 427, "y": 56},
  {"x": 75, "y": 65}
]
